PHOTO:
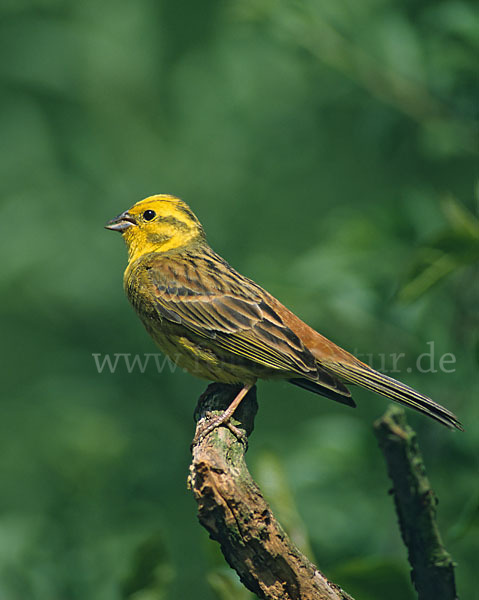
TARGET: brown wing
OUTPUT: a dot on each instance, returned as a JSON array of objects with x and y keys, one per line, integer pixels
[{"x": 208, "y": 297}]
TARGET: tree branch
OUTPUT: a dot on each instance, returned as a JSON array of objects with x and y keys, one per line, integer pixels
[
  {"x": 432, "y": 566},
  {"x": 234, "y": 512}
]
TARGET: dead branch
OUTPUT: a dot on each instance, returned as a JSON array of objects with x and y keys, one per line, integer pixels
[
  {"x": 235, "y": 513},
  {"x": 432, "y": 566}
]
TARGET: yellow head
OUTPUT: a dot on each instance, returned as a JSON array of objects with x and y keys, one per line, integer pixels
[{"x": 157, "y": 224}]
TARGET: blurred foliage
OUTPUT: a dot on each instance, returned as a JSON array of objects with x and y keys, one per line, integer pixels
[
  {"x": 151, "y": 572},
  {"x": 455, "y": 247},
  {"x": 329, "y": 150},
  {"x": 227, "y": 585}
]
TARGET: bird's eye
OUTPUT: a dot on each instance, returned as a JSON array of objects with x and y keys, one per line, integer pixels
[{"x": 149, "y": 214}]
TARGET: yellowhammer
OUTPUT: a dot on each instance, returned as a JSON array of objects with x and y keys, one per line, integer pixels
[{"x": 222, "y": 326}]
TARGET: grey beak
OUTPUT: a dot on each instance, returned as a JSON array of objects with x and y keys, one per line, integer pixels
[{"x": 121, "y": 222}]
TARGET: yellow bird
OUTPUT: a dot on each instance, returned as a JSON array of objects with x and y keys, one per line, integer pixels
[{"x": 222, "y": 326}]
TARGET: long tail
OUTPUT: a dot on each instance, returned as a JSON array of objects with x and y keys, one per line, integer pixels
[{"x": 366, "y": 377}]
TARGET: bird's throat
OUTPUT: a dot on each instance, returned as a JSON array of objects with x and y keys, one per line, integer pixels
[{"x": 140, "y": 243}]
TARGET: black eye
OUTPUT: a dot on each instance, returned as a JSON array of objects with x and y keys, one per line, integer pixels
[{"x": 149, "y": 214}]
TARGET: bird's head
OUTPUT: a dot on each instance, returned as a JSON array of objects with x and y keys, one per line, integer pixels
[{"x": 157, "y": 224}]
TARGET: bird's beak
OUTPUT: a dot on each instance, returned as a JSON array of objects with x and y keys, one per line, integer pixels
[{"x": 121, "y": 222}]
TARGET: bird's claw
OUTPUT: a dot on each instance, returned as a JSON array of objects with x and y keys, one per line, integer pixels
[{"x": 205, "y": 429}]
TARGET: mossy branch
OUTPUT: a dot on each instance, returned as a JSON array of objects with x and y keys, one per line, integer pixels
[
  {"x": 233, "y": 510},
  {"x": 432, "y": 566}
]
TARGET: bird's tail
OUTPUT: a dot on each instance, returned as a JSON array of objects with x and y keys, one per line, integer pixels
[{"x": 366, "y": 377}]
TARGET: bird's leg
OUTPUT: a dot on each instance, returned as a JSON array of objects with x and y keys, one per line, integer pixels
[{"x": 226, "y": 416}]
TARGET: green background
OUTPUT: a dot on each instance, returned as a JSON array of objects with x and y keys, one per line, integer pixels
[{"x": 328, "y": 147}]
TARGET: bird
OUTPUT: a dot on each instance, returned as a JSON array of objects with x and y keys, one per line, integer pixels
[{"x": 222, "y": 326}]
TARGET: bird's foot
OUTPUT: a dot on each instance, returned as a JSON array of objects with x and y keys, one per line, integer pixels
[
  {"x": 220, "y": 420},
  {"x": 224, "y": 418}
]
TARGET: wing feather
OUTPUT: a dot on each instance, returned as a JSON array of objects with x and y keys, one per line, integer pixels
[{"x": 206, "y": 296}]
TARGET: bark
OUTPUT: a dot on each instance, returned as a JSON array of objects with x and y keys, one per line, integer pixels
[
  {"x": 432, "y": 566},
  {"x": 233, "y": 510}
]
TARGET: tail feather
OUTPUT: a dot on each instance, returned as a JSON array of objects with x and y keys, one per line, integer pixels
[
  {"x": 395, "y": 390},
  {"x": 333, "y": 394}
]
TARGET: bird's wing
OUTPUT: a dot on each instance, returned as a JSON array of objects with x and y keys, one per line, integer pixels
[{"x": 212, "y": 300}]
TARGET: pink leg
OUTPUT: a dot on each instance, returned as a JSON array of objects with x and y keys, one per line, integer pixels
[{"x": 228, "y": 413}]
